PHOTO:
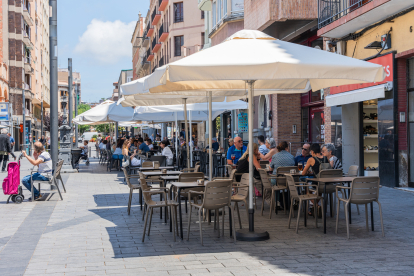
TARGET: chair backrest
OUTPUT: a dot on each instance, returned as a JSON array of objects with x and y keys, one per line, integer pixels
[
  {"x": 291, "y": 184},
  {"x": 217, "y": 194},
  {"x": 330, "y": 173},
  {"x": 265, "y": 179},
  {"x": 353, "y": 170},
  {"x": 263, "y": 164},
  {"x": 160, "y": 158},
  {"x": 144, "y": 187},
  {"x": 244, "y": 181},
  {"x": 127, "y": 179},
  {"x": 190, "y": 177},
  {"x": 58, "y": 168},
  {"x": 147, "y": 164},
  {"x": 282, "y": 170},
  {"x": 364, "y": 190},
  {"x": 197, "y": 168},
  {"x": 232, "y": 174}
]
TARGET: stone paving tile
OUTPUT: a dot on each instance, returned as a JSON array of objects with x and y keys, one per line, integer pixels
[{"x": 90, "y": 233}]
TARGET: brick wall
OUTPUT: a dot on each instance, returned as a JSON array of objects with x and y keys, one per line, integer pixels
[
  {"x": 402, "y": 102},
  {"x": 286, "y": 109},
  {"x": 16, "y": 99},
  {"x": 327, "y": 116}
]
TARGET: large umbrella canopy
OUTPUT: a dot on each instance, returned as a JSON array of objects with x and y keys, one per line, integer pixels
[
  {"x": 266, "y": 66},
  {"x": 276, "y": 66},
  {"x": 198, "y": 112},
  {"x": 107, "y": 112}
]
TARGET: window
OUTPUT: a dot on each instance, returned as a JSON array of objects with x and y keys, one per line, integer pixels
[
  {"x": 178, "y": 42},
  {"x": 178, "y": 12},
  {"x": 202, "y": 14},
  {"x": 202, "y": 39}
]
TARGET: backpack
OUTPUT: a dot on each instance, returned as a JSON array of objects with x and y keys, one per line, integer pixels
[{"x": 12, "y": 181}]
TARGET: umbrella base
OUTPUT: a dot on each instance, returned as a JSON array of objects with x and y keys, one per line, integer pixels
[{"x": 246, "y": 235}]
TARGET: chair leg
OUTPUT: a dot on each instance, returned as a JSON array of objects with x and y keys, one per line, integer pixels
[
  {"x": 315, "y": 212},
  {"x": 217, "y": 219},
  {"x": 173, "y": 221},
  {"x": 357, "y": 208},
  {"x": 366, "y": 216},
  {"x": 189, "y": 222},
  {"x": 236, "y": 206},
  {"x": 338, "y": 207},
  {"x": 272, "y": 201},
  {"x": 290, "y": 213},
  {"x": 247, "y": 210},
  {"x": 140, "y": 197},
  {"x": 129, "y": 201},
  {"x": 201, "y": 229},
  {"x": 299, "y": 210},
  {"x": 347, "y": 219},
  {"x": 186, "y": 210},
  {"x": 63, "y": 185},
  {"x": 145, "y": 226},
  {"x": 232, "y": 224},
  {"x": 57, "y": 187},
  {"x": 382, "y": 224},
  {"x": 176, "y": 222},
  {"x": 331, "y": 205},
  {"x": 150, "y": 220},
  {"x": 222, "y": 223},
  {"x": 143, "y": 212},
  {"x": 263, "y": 200}
]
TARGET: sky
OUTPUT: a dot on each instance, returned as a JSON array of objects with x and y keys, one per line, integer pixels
[{"x": 97, "y": 36}]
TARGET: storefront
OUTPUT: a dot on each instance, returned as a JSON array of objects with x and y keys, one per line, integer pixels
[
  {"x": 313, "y": 117},
  {"x": 366, "y": 114}
]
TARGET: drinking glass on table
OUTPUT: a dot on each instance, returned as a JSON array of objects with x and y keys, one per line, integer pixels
[
  {"x": 300, "y": 166},
  {"x": 233, "y": 157}
]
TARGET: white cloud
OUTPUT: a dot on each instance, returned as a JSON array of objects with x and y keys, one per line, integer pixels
[{"x": 106, "y": 42}]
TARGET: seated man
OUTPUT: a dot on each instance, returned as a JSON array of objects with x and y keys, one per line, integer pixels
[
  {"x": 43, "y": 160},
  {"x": 142, "y": 146},
  {"x": 85, "y": 149}
]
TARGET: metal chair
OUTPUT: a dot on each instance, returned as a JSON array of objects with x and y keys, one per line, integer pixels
[
  {"x": 131, "y": 187},
  {"x": 52, "y": 181},
  {"x": 330, "y": 189},
  {"x": 242, "y": 195},
  {"x": 363, "y": 190},
  {"x": 151, "y": 204},
  {"x": 216, "y": 196},
  {"x": 305, "y": 197},
  {"x": 269, "y": 188}
]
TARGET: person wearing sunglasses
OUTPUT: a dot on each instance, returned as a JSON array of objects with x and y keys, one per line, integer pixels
[
  {"x": 305, "y": 155},
  {"x": 236, "y": 151}
]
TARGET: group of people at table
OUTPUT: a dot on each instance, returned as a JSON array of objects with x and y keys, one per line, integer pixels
[{"x": 309, "y": 160}]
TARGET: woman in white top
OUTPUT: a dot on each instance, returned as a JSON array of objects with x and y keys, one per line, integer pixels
[{"x": 166, "y": 151}]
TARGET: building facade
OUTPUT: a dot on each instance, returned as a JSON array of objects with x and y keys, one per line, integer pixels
[
  {"x": 374, "y": 130},
  {"x": 63, "y": 90}
]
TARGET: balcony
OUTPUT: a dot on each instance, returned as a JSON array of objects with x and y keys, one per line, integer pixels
[
  {"x": 186, "y": 51},
  {"x": 27, "y": 87},
  {"x": 338, "y": 18},
  {"x": 149, "y": 55},
  {"x": 163, "y": 5},
  {"x": 26, "y": 14},
  {"x": 28, "y": 69},
  {"x": 156, "y": 46},
  {"x": 63, "y": 99},
  {"x": 27, "y": 42},
  {"x": 155, "y": 17},
  {"x": 163, "y": 33},
  {"x": 150, "y": 31}
]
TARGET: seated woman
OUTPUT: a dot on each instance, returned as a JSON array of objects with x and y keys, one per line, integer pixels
[
  {"x": 271, "y": 145},
  {"x": 281, "y": 159},
  {"x": 243, "y": 163},
  {"x": 117, "y": 155},
  {"x": 328, "y": 151},
  {"x": 166, "y": 151},
  {"x": 313, "y": 164}
]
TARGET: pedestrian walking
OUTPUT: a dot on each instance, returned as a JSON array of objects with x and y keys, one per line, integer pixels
[{"x": 5, "y": 149}]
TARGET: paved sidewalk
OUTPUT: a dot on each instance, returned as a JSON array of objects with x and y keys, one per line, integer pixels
[{"x": 90, "y": 233}]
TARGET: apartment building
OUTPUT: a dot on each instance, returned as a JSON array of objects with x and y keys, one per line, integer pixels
[
  {"x": 115, "y": 92},
  {"x": 63, "y": 89},
  {"x": 378, "y": 124}
]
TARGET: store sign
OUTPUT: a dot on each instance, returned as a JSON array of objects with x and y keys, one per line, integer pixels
[
  {"x": 4, "y": 111},
  {"x": 243, "y": 122},
  {"x": 387, "y": 61}
]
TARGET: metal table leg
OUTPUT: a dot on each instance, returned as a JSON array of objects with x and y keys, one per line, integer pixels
[
  {"x": 372, "y": 216},
  {"x": 170, "y": 210},
  {"x": 179, "y": 211},
  {"x": 231, "y": 225},
  {"x": 349, "y": 205},
  {"x": 324, "y": 209}
]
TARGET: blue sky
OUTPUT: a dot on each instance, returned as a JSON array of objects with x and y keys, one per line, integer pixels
[{"x": 97, "y": 36}]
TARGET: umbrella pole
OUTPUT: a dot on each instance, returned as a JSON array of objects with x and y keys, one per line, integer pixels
[
  {"x": 176, "y": 138},
  {"x": 250, "y": 234},
  {"x": 210, "y": 135},
  {"x": 186, "y": 133},
  {"x": 191, "y": 139}
]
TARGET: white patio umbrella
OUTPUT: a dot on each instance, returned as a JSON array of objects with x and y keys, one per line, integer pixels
[
  {"x": 107, "y": 112},
  {"x": 266, "y": 65}
]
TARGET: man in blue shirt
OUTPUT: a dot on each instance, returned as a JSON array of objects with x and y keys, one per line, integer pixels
[
  {"x": 142, "y": 146},
  {"x": 303, "y": 158},
  {"x": 238, "y": 149},
  {"x": 12, "y": 142}
]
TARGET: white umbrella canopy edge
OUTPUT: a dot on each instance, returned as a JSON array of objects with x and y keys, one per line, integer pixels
[{"x": 109, "y": 112}]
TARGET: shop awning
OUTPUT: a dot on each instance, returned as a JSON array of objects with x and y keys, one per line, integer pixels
[{"x": 355, "y": 96}]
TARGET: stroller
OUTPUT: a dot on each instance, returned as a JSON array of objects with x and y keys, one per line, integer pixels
[{"x": 11, "y": 184}]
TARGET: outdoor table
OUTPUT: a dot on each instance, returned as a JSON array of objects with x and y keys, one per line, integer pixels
[
  {"x": 186, "y": 185},
  {"x": 331, "y": 180},
  {"x": 173, "y": 177},
  {"x": 153, "y": 168},
  {"x": 160, "y": 173}
]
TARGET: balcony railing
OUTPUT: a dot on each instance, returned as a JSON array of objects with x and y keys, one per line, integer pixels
[
  {"x": 27, "y": 60},
  {"x": 156, "y": 45},
  {"x": 155, "y": 17},
  {"x": 26, "y": 86},
  {"x": 331, "y": 10},
  {"x": 63, "y": 98},
  {"x": 163, "y": 33}
]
